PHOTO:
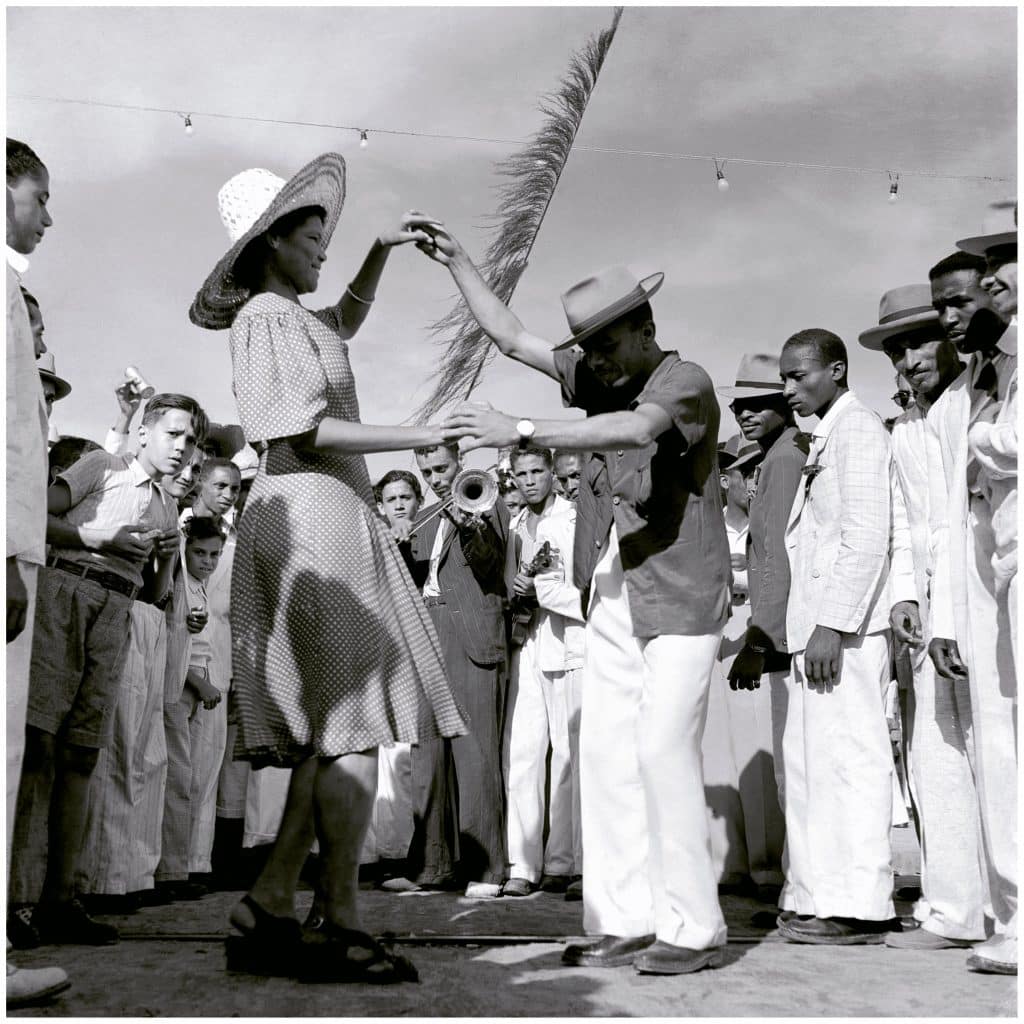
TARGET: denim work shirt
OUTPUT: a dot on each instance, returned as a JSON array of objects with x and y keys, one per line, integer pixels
[{"x": 664, "y": 499}]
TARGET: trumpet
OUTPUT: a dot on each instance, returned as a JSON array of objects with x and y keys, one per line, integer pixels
[{"x": 474, "y": 492}]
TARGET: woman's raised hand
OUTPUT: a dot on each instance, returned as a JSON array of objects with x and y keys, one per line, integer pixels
[{"x": 409, "y": 229}]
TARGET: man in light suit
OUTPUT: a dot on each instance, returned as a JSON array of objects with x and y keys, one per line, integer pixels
[
  {"x": 458, "y": 800},
  {"x": 937, "y": 723},
  {"x": 971, "y": 641},
  {"x": 837, "y": 758}
]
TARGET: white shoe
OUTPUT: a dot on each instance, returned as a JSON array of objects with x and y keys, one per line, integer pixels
[
  {"x": 997, "y": 955},
  {"x": 30, "y": 985},
  {"x": 483, "y": 891}
]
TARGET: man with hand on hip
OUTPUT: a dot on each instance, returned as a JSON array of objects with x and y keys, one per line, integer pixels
[{"x": 652, "y": 559}]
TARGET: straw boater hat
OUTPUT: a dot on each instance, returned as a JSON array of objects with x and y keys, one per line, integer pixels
[
  {"x": 1000, "y": 229},
  {"x": 249, "y": 204},
  {"x": 901, "y": 310},
  {"x": 737, "y": 452},
  {"x": 599, "y": 300},
  {"x": 757, "y": 377},
  {"x": 48, "y": 371}
]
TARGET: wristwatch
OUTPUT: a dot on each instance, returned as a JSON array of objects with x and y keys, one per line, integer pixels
[{"x": 526, "y": 430}]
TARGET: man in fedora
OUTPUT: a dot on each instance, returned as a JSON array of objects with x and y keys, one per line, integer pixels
[
  {"x": 937, "y": 713},
  {"x": 973, "y": 533},
  {"x": 54, "y": 388},
  {"x": 652, "y": 560},
  {"x": 765, "y": 418}
]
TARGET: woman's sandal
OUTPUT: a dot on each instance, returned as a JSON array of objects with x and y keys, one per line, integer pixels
[
  {"x": 331, "y": 960},
  {"x": 272, "y": 947}
]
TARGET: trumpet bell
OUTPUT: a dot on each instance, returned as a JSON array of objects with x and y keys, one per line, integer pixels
[{"x": 474, "y": 491}]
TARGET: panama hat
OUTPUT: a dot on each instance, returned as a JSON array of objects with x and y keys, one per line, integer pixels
[
  {"x": 757, "y": 377},
  {"x": 1000, "y": 229},
  {"x": 737, "y": 452},
  {"x": 249, "y": 204},
  {"x": 597, "y": 301},
  {"x": 901, "y": 310},
  {"x": 48, "y": 371}
]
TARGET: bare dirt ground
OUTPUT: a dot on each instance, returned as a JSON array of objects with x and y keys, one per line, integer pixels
[{"x": 170, "y": 963}]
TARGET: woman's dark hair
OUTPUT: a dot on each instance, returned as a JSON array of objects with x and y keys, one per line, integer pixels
[{"x": 248, "y": 269}]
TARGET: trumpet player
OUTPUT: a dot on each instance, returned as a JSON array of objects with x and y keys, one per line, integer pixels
[{"x": 458, "y": 800}]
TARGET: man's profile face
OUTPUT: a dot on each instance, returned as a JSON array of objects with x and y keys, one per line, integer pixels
[
  {"x": 809, "y": 384},
  {"x": 49, "y": 394},
  {"x": 925, "y": 360},
  {"x": 35, "y": 320},
  {"x": 1000, "y": 280},
  {"x": 28, "y": 196},
  {"x": 567, "y": 473},
  {"x": 615, "y": 354},
  {"x": 438, "y": 469},
  {"x": 957, "y": 296}
]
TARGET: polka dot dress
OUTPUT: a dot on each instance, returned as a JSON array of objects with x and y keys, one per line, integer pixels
[{"x": 333, "y": 650}]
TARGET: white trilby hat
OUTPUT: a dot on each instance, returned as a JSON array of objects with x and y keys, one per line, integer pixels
[
  {"x": 249, "y": 204},
  {"x": 1000, "y": 226},
  {"x": 599, "y": 300},
  {"x": 901, "y": 310}
]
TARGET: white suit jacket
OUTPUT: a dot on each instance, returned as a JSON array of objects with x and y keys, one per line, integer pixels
[
  {"x": 948, "y": 423},
  {"x": 839, "y": 529}
]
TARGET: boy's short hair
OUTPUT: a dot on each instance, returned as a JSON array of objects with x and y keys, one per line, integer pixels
[
  {"x": 202, "y": 528},
  {"x": 159, "y": 404},
  {"x": 531, "y": 449},
  {"x": 22, "y": 162},
  {"x": 829, "y": 347},
  {"x": 955, "y": 261},
  {"x": 395, "y": 476},
  {"x": 67, "y": 451},
  {"x": 213, "y": 462},
  {"x": 452, "y": 446}
]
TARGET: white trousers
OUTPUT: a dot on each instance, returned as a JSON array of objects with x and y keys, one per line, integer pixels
[
  {"x": 538, "y": 718},
  {"x": 19, "y": 659},
  {"x": 208, "y": 738},
  {"x": 839, "y": 768},
  {"x": 938, "y": 730},
  {"x": 265, "y": 796},
  {"x": 993, "y": 693},
  {"x": 574, "y": 698},
  {"x": 645, "y": 821},
  {"x": 125, "y": 806},
  {"x": 391, "y": 827}
]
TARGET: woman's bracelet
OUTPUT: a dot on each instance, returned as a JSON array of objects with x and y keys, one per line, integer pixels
[{"x": 365, "y": 302}]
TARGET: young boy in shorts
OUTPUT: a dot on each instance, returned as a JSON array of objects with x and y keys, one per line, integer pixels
[{"x": 108, "y": 522}]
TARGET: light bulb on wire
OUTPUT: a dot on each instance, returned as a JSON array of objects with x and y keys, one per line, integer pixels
[
  {"x": 894, "y": 187},
  {"x": 723, "y": 184},
  {"x": 189, "y": 130},
  {"x": 363, "y": 140}
]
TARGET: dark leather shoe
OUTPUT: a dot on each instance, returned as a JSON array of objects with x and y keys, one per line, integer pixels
[
  {"x": 554, "y": 883},
  {"x": 835, "y": 931},
  {"x": 69, "y": 924},
  {"x": 574, "y": 893},
  {"x": 519, "y": 887},
  {"x": 664, "y": 958},
  {"x": 608, "y": 951}
]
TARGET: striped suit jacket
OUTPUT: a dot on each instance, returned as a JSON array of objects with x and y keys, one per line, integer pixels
[{"x": 471, "y": 575}]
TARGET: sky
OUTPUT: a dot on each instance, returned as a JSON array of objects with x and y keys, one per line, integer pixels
[{"x": 136, "y": 228}]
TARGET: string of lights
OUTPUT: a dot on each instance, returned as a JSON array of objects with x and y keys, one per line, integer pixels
[{"x": 364, "y": 132}]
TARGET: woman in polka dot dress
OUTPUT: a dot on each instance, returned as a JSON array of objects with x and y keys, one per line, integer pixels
[{"x": 333, "y": 650}]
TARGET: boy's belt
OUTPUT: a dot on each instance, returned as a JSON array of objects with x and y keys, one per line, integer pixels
[{"x": 105, "y": 578}]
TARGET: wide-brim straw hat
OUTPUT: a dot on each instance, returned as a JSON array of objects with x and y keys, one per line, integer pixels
[
  {"x": 597, "y": 301},
  {"x": 1000, "y": 226},
  {"x": 757, "y": 377},
  {"x": 904, "y": 309},
  {"x": 48, "y": 371},
  {"x": 249, "y": 204}
]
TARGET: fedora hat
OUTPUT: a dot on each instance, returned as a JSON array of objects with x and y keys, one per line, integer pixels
[
  {"x": 48, "y": 371},
  {"x": 1000, "y": 229},
  {"x": 737, "y": 452},
  {"x": 249, "y": 204},
  {"x": 901, "y": 310},
  {"x": 757, "y": 377},
  {"x": 601, "y": 299}
]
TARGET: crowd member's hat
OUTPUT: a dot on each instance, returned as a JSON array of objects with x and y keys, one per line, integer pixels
[
  {"x": 901, "y": 310},
  {"x": 1000, "y": 229},
  {"x": 597, "y": 301},
  {"x": 247, "y": 461},
  {"x": 48, "y": 371},
  {"x": 249, "y": 204},
  {"x": 757, "y": 377},
  {"x": 737, "y": 452}
]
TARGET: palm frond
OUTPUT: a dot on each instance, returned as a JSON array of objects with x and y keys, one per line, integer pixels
[{"x": 530, "y": 176}]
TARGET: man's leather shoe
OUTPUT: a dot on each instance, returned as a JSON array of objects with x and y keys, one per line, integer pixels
[
  {"x": 574, "y": 894},
  {"x": 555, "y": 883},
  {"x": 664, "y": 958},
  {"x": 609, "y": 951},
  {"x": 836, "y": 931},
  {"x": 519, "y": 887}
]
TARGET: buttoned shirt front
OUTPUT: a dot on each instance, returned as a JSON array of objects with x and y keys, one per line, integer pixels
[
  {"x": 108, "y": 492},
  {"x": 664, "y": 499}
]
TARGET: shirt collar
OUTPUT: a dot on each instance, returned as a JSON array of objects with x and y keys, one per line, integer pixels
[
  {"x": 138, "y": 474},
  {"x": 828, "y": 421},
  {"x": 18, "y": 262}
]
